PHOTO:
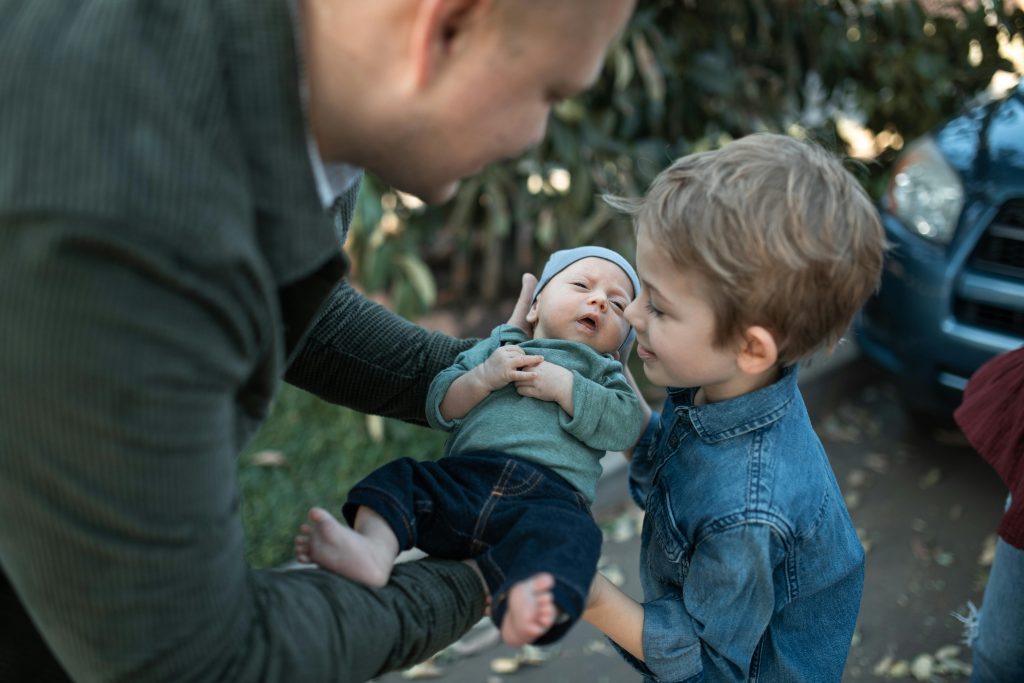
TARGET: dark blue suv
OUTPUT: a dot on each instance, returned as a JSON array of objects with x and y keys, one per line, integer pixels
[{"x": 952, "y": 293}]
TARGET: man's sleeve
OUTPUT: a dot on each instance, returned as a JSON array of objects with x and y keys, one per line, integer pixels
[
  {"x": 120, "y": 522},
  {"x": 361, "y": 355},
  {"x": 709, "y": 632}
]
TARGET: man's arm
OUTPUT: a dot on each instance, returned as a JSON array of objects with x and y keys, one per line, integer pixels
[
  {"x": 120, "y": 521},
  {"x": 361, "y": 355}
]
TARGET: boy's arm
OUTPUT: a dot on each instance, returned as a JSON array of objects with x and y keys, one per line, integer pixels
[{"x": 616, "y": 615}]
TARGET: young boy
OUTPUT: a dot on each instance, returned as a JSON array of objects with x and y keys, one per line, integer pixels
[
  {"x": 752, "y": 258},
  {"x": 529, "y": 421}
]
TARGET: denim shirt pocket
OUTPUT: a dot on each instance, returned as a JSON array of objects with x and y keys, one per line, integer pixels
[{"x": 671, "y": 556}]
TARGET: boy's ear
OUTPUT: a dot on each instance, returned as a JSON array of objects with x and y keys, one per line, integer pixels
[
  {"x": 438, "y": 26},
  {"x": 758, "y": 351}
]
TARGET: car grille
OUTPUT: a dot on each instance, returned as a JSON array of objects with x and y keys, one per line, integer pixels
[{"x": 1000, "y": 252}]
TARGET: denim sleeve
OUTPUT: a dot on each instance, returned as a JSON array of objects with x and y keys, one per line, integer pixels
[
  {"x": 466, "y": 361},
  {"x": 641, "y": 469},
  {"x": 606, "y": 416},
  {"x": 727, "y": 601}
]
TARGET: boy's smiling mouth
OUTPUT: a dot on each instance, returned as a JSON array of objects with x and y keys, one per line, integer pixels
[{"x": 644, "y": 353}]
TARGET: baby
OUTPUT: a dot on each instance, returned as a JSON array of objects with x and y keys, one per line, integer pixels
[{"x": 530, "y": 419}]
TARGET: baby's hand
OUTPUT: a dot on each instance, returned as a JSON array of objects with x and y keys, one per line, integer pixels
[
  {"x": 549, "y": 382},
  {"x": 507, "y": 364}
]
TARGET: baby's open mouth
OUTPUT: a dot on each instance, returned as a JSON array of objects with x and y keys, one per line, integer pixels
[{"x": 589, "y": 322}]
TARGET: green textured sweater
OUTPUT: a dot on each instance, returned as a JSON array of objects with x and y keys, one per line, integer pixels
[
  {"x": 606, "y": 412},
  {"x": 164, "y": 258}
]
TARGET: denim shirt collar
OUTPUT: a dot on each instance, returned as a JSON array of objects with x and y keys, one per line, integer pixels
[{"x": 723, "y": 420}]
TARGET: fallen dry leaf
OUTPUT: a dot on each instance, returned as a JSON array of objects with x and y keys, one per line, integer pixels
[
  {"x": 933, "y": 477},
  {"x": 922, "y": 667},
  {"x": 877, "y": 463},
  {"x": 856, "y": 478},
  {"x": 427, "y": 669},
  {"x": 532, "y": 655},
  {"x": 988, "y": 551},
  {"x": 899, "y": 669},
  {"x": 268, "y": 458},
  {"x": 505, "y": 665}
]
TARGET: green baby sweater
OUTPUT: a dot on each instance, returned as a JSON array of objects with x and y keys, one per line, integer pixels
[{"x": 606, "y": 411}]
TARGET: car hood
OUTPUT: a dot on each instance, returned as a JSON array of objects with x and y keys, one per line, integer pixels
[{"x": 986, "y": 144}]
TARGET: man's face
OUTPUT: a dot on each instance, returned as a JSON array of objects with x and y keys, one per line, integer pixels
[
  {"x": 492, "y": 97},
  {"x": 585, "y": 303}
]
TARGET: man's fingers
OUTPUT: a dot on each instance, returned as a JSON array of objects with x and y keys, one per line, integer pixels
[{"x": 522, "y": 307}]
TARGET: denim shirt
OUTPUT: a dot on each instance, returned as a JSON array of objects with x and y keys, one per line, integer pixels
[{"x": 750, "y": 565}]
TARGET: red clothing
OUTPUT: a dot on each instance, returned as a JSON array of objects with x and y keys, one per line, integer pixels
[{"x": 991, "y": 415}]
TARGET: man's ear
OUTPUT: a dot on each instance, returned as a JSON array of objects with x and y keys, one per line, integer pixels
[
  {"x": 438, "y": 26},
  {"x": 758, "y": 351}
]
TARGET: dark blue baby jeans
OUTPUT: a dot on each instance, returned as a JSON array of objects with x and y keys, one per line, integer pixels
[{"x": 513, "y": 517}]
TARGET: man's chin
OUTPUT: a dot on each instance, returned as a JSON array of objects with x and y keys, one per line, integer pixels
[{"x": 436, "y": 194}]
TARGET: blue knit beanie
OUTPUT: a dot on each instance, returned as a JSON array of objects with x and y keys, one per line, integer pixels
[{"x": 561, "y": 260}]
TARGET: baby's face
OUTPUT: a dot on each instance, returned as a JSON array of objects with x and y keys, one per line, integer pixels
[{"x": 584, "y": 303}]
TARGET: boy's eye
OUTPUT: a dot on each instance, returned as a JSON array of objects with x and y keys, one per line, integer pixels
[{"x": 621, "y": 305}]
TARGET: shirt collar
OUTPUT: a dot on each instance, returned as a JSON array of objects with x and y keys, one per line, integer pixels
[{"x": 727, "y": 419}]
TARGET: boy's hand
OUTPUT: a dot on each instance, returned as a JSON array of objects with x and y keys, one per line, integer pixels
[
  {"x": 507, "y": 364},
  {"x": 549, "y": 382}
]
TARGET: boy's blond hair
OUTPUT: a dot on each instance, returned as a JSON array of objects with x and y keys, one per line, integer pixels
[{"x": 784, "y": 236}]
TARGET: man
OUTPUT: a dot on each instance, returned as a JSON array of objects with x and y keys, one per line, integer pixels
[{"x": 164, "y": 260}]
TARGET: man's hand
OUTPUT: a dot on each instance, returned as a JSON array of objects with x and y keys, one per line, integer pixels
[
  {"x": 549, "y": 382},
  {"x": 518, "y": 317},
  {"x": 507, "y": 364}
]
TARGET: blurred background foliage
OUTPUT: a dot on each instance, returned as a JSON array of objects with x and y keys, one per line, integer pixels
[
  {"x": 686, "y": 75},
  {"x": 858, "y": 76}
]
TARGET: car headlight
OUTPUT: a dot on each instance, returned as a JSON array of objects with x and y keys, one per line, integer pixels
[{"x": 925, "y": 193}]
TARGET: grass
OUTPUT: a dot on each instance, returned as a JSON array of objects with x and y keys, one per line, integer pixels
[{"x": 307, "y": 453}]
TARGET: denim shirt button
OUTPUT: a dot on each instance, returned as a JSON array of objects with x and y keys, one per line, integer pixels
[{"x": 673, "y": 441}]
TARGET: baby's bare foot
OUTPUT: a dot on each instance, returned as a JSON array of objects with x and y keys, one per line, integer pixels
[
  {"x": 335, "y": 547},
  {"x": 531, "y": 610}
]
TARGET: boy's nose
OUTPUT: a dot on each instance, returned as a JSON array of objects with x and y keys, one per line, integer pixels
[
  {"x": 632, "y": 314},
  {"x": 599, "y": 300}
]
